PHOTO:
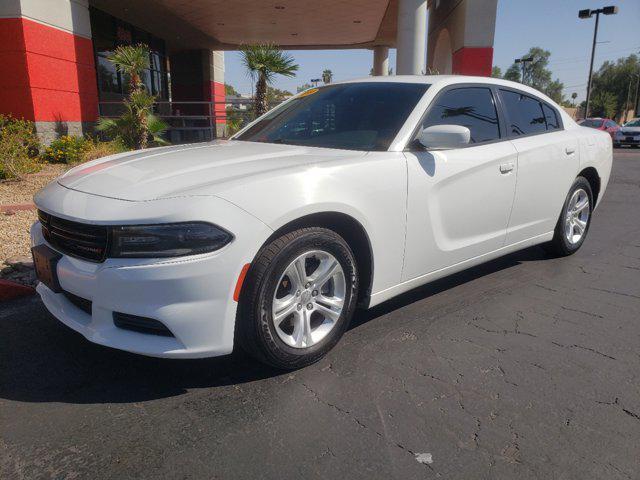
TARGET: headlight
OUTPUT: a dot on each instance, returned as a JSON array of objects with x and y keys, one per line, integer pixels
[
  {"x": 619, "y": 134},
  {"x": 167, "y": 240}
]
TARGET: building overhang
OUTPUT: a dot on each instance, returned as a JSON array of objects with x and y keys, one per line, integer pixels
[{"x": 291, "y": 24}]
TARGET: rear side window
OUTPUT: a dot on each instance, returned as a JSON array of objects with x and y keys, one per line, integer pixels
[
  {"x": 471, "y": 107},
  {"x": 591, "y": 123},
  {"x": 551, "y": 117},
  {"x": 525, "y": 114}
]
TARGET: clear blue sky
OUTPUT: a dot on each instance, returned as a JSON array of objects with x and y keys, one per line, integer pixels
[{"x": 520, "y": 24}]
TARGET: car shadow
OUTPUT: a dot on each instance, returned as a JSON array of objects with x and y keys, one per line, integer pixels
[{"x": 44, "y": 361}]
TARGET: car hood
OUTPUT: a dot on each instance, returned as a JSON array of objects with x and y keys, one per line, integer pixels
[
  {"x": 191, "y": 170},
  {"x": 629, "y": 129}
]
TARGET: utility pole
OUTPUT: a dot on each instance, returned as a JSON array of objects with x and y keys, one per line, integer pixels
[
  {"x": 524, "y": 61},
  {"x": 626, "y": 105},
  {"x": 583, "y": 14}
]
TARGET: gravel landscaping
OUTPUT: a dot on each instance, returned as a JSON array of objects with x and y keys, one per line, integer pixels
[
  {"x": 15, "y": 255},
  {"x": 22, "y": 191}
]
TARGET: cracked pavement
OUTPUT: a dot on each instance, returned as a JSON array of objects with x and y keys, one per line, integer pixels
[{"x": 525, "y": 367}]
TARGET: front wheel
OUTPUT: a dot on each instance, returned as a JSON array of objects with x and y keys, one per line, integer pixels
[
  {"x": 575, "y": 218},
  {"x": 298, "y": 299}
]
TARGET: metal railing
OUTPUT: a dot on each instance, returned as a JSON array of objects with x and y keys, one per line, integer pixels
[
  {"x": 193, "y": 121},
  {"x": 188, "y": 121}
]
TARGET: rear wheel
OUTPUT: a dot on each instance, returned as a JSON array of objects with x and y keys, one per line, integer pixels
[
  {"x": 575, "y": 218},
  {"x": 298, "y": 298}
]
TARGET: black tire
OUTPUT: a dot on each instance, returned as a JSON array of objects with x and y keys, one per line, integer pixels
[
  {"x": 560, "y": 244},
  {"x": 255, "y": 330}
]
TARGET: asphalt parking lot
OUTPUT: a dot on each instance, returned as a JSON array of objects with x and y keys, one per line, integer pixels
[{"x": 526, "y": 367}]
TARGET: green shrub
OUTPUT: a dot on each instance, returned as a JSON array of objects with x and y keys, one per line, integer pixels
[
  {"x": 66, "y": 149},
  {"x": 97, "y": 149},
  {"x": 19, "y": 147}
]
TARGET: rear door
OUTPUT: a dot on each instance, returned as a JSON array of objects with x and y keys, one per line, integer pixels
[
  {"x": 459, "y": 199},
  {"x": 548, "y": 159}
]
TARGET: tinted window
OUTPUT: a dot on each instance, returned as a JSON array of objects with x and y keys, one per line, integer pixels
[
  {"x": 525, "y": 113},
  {"x": 355, "y": 116},
  {"x": 469, "y": 107},
  {"x": 591, "y": 123},
  {"x": 611, "y": 124},
  {"x": 551, "y": 117}
]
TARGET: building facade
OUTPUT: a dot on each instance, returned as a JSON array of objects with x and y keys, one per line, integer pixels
[{"x": 55, "y": 72}]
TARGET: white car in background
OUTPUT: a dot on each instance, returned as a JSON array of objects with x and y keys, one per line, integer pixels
[
  {"x": 345, "y": 195},
  {"x": 628, "y": 134}
]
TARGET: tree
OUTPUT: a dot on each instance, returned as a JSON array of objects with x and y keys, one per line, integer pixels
[
  {"x": 603, "y": 104},
  {"x": 537, "y": 75},
  {"x": 327, "y": 76},
  {"x": 265, "y": 61},
  {"x": 513, "y": 73},
  {"x": 137, "y": 125},
  {"x": 275, "y": 95},
  {"x": 496, "y": 72},
  {"x": 229, "y": 90},
  {"x": 615, "y": 78},
  {"x": 574, "y": 95}
]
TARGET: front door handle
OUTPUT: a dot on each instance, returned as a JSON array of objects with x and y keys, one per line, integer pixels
[{"x": 506, "y": 167}]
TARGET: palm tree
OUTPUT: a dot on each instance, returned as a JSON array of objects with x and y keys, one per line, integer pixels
[
  {"x": 327, "y": 76},
  {"x": 265, "y": 61},
  {"x": 135, "y": 126}
]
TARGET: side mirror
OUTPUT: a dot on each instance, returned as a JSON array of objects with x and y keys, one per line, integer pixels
[{"x": 444, "y": 136}]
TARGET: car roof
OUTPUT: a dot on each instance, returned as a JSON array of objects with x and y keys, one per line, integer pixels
[{"x": 444, "y": 80}]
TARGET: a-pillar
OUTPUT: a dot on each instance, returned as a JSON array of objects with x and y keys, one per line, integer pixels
[
  {"x": 47, "y": 70},
  {"x": 380, "y": 60},
  {"x": 198, "y": 75},
  {"x": 461, "y": 36},
  {"x": 411, "y": 37}
]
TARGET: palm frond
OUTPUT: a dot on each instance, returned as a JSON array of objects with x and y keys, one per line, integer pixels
[
  {"x": 131, "y": 59},
  {"x": 268, "y": 60}
]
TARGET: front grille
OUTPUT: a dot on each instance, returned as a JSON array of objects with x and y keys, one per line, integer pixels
[
  {"x": 82, "y": 303},
  {"x": 140, "y": 324},
  {"x": 631, "y": 134},
  {"x": 81, "y": 240}
]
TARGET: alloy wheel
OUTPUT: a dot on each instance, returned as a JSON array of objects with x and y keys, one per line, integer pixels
[{"x": 309, "y": 299}]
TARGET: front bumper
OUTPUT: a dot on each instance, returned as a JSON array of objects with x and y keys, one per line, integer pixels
[
  {"x": 192, "y": 296},
  {"x": 627, "y": 140}
]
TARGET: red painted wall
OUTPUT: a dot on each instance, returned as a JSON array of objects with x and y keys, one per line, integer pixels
[
  {"x": 46, "y": 74},
  {"x": 473, "y": 61},
  {"x": 214, "y": 92}
]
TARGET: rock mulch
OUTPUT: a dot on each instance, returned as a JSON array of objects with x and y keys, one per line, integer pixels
[{"x": 15, "y": 253}]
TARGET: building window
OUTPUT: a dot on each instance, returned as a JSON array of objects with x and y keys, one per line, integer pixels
[{"x": 108, "y": 33}]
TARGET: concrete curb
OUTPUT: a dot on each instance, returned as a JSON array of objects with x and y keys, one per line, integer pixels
[
  {"x": 9, "y": 290},
  {"x": 16, "y": 207}
]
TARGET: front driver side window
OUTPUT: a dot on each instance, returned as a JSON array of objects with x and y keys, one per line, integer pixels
[{"x": 471, "y": 107}]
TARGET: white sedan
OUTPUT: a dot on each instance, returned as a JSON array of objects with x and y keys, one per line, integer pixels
[{"x": 346, "y": 195}]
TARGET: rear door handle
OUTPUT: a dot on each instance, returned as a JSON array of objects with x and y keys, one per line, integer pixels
[
  {"x": 506, "y": 167},
  {"x": 569, "y": 150}
]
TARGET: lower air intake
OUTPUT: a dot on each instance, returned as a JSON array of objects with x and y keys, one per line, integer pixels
[{"x": 140, "y": 324}]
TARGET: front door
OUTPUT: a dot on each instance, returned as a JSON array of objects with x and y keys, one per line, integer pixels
[{"x": 459, "y": 200}]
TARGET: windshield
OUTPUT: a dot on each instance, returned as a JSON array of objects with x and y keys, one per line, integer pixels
[
  {"x": 592, "y": 123},
  {"x": 352, "y": 116},
  {"x": 633, "y": 123}
]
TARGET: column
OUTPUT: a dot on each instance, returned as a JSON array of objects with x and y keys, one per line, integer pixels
[
  {"x": 461, "y": 36},
  {"x": 47, "y": 70},
  {"x": 380, "y": 60},
  {"x": 198, "y": 75},
  {"x": 411, "y": 37}
]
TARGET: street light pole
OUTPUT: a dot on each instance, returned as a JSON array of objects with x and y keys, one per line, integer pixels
[
  {"x": 588, "y": 14},
  {"x": 524, "y": 61},
  {"x": 593, "y": 52}
]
